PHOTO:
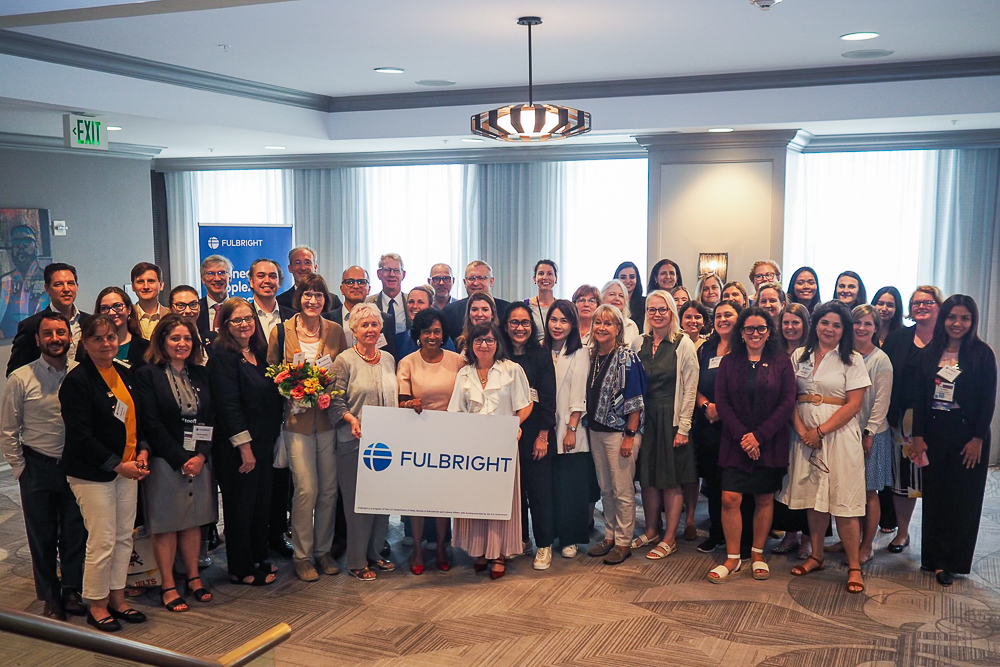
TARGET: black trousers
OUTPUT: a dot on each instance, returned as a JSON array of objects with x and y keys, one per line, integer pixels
[
  {"x": 571, "y": 497},
  {"x": 281, "y": 503},
  {"x": 54, "y": 526},
  {"x": 953, "y": 494},
  {"x": 536, "y": 496},
  {"x": 246, "y": 503}
]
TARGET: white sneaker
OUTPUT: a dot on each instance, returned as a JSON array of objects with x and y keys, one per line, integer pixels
[
  {"x": 571, "y": 551},
  {"x": 543, "y": 558}
]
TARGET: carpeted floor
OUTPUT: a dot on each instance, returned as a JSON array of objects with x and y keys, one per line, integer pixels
[{"x": 579, "y": 612}]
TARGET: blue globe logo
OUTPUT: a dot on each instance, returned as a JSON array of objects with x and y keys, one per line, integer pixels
[
  {"x": 377, "y": 456},
  {"x": 213, "y": 242}
]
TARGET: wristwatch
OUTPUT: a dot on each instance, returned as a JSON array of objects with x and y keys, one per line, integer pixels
[
  {"x": 571, "y": 428},
  {"x": 867, "y": 432},
  {"x": 629, "y": 433}
]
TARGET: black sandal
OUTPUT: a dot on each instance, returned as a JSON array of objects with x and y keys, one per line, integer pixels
[
  {"x": 259, "y": 579},
  {"x": 128, "y": 615},
  {"x": 201, "y": 594},
  {"x": 267, "y": 567},
  {"x": 175, "y": 603}
]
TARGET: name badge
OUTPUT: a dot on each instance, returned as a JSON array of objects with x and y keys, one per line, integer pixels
[
  {"x": 532, "y": 394},
  {"x": 203, "y": 433},
  {"x": 714, "y": 362},
  {"x": 121, "y": 410},
  {"x": 382, "y": 342},
  {"x": 804, "y": 371},
  {"x": 944, "y": 391},
  {"x": 949, "y": 373},
  {"x": 325, "y": 362},
  {"x": 298, "y": 358},
  {"x": 189, "y": 441}
]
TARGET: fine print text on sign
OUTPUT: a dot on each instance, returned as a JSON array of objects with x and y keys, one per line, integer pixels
[{"x": 436, "y": 464}]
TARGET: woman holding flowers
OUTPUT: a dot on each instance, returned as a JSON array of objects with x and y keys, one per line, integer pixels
[{"x": 306, "y": 346}]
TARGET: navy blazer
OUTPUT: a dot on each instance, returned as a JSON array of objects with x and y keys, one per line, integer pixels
[
  {"x": 975, "y": 390},
  {"x": 24, "y": 349},
  {"x": 244, "y": 400},
  {"x": 95, "y": 438},
  {"x": 162, "y": 422}
]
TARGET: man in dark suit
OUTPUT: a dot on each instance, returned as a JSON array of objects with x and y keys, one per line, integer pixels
[
  {"x": 355, "y": 285},
  {"x": 391, "y": 300},
  {"x": 62, "y": 287},
  {"x": 301, "y": 263},
  {"x": 215, "y": 273},
  {"x": 478, "y": 278}
]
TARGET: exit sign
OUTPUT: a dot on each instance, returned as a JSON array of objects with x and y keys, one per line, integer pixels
[{"x": 84, "y": 132}]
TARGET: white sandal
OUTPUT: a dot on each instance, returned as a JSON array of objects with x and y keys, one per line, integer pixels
[
  {"x": 722, "y": 573},
  {"x": 661, "y": 551},
  {"x": 759, "y": 568}
]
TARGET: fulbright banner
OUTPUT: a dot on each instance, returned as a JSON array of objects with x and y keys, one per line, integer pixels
[
  {"x": 436, "y": 464},
  {"x": 241, "y": 245}
]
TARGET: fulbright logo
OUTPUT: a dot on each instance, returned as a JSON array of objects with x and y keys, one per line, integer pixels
[
  {"x": 377, "y": 456},
  {"x": 213, "y": 242}
]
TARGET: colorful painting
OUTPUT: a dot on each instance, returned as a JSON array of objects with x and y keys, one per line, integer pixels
[{"x": 26, "y": 249}]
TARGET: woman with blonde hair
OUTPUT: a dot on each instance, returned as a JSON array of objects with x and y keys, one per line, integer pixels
[
  {"x": 615, "y": 294},
  {"x": 710, "y": 290}
]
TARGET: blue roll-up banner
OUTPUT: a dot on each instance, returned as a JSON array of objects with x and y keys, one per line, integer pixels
[{"x": 241, "y": 245}]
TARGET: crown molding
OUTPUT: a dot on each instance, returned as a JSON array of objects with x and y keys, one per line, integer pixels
[
  {"x": 403, "y": 158},
  {"x": 901, "y": 141},
  {"x": 128, "y": 10},
  {"x": 57, "y": 145},
  {"x": 74, "y": 55},
  {"x": 721, "y": 141}
]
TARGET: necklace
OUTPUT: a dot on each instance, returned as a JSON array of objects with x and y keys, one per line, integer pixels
[
  {"x": 301, "y": 327},
  {"x": 483, "y": 380},
  {"x": 372, "y": 359},
  {"x": 598, "y": 367}
]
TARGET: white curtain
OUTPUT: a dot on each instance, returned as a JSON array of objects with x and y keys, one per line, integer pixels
[
  {"x": 331, "y": 215},
  {"x": 965, "y": 239},
  {"x": 862, "y": 212},
  {"x": 521, "y": 220},
  {"x": 182, "y": 227}
]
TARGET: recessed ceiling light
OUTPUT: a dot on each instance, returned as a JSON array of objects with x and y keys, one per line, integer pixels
[
  {"x": 435, "y": 82},
  {"x": 858, "y": 36},
  {"x": 868, "y": 53},
  {"x": 275, "y": 148},
  {"x": 113, "y": 128},
  {"x": 720, "y": 129},
  {"x": 471, "y": 140},
  {"x": 389, "y": 70}
]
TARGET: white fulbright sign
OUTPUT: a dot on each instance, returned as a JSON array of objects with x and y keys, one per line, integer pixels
[{"x": 436, "y": 464}]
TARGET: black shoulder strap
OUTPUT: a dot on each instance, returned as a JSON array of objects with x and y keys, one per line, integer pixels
[{"x": 281, "y": 340}]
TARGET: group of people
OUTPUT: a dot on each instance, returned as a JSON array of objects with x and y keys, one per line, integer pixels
[{"x": 780, "y": 408}]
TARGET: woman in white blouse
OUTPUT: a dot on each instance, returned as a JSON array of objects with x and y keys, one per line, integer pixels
[
  {"x": 572, "y": 468},
  {"x": 615, "y": 294},
  {"x": 491, "y": 384}
]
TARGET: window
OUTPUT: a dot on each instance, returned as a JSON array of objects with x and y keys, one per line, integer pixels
[{"x": 243, "y": 197}]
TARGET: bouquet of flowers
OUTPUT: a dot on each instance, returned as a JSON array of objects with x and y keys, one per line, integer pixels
[{"x": 305, "y": 385}]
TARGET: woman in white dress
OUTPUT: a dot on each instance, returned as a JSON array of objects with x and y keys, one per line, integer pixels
[
  {"x": 491, "y": 384},
  {"x": 826, "y": 468}
]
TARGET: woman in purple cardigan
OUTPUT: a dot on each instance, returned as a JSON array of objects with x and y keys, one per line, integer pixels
[{"x": 755, "y": 398}]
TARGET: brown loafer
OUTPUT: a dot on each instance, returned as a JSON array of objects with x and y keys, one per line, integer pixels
[
  {"x": 601, "y": 548},
  {"x": 617, "y": 555}
]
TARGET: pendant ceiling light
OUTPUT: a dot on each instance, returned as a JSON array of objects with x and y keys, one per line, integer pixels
[{"x": 531, "y": 122}]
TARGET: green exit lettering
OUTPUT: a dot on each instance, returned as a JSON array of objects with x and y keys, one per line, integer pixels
[{"x": 88, "y": 132}]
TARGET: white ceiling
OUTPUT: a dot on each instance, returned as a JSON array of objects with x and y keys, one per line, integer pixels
[{"x": 331, "y": 48}]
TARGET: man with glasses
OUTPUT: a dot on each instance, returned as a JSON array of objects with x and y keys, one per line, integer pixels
[
  {"x": 355, "y": 285},
  {"x": 61, "y": 286},
  {"x": 215, "y": 273},
  {"x": 22, "y": 290},
  {"x": 442, "y": 281},
  {"x": 390, "y": 300},
  {"x": 147, "y": 283},
  {"x": 302, "y": 263},
  {"x": 478, "y": 278}
]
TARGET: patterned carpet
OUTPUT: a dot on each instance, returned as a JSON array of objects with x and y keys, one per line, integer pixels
[{"x": 579, "y": 612}]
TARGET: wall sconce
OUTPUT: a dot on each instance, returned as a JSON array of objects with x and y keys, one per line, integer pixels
[{"x": 713, "y": 262}]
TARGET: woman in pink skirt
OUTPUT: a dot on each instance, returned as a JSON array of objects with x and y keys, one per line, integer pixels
[{"x": 491, "y": 384}]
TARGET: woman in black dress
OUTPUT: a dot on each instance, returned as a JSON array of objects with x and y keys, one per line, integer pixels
[
  {"x": 957, "y": 381},
  {"x": 248, "y": 411}
]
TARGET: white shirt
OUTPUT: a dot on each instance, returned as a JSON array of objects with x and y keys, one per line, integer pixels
[
  {"x": 74, "y": 330},
  {"x": 399, "y": 310},
  {"x": 268, "y": 320},
  {"x": 212, "y": 303},
  {"x": 30, "y": 413}
]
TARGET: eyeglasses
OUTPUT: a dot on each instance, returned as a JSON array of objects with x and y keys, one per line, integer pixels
[
  {"x": 519, "y": 324},
  {"x": 592, "y": 301},
  {"x": 817, "y": 462},
  {"x": 766, "y": 276},
  {"x": 114, "y": 308},
  {"x": 438, "y": 280},
  {"x": 181, "y": 307},
  {"x": 217, "y": 274},
  {"x": 748, "y": 331},
  {"x": 470, "y": 279},
  {"x": 354, "y": 281},
  {"x": 391, "y": 270},
  {"x": 922, "y": 304},
  {"x": 657, "y": 311},
  {"x": 241, "y": 320},
  {"x": 484, "y": 342}
]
